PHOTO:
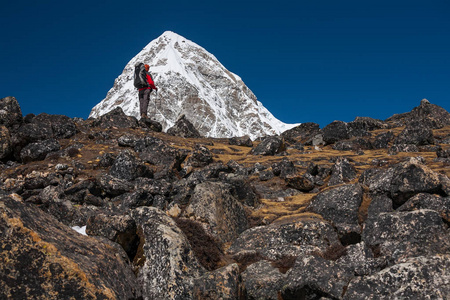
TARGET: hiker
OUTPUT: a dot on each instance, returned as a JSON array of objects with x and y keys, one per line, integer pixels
[{"x": 143, "y": 81}]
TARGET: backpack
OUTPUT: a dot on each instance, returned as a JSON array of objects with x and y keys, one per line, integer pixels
[{"x": 139, "y": 76}]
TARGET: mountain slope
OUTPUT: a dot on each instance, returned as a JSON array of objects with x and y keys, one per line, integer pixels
[{"x": 191, "y": 81}]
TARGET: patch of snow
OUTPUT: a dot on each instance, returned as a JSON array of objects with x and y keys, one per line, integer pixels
[{"x": 81, "y": 230}]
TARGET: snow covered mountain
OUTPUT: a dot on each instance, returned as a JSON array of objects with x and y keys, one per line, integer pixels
[{"x": 191, "y": 81}]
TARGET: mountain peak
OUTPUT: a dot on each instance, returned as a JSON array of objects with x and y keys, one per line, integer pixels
[{"x": 191, "y": 81}]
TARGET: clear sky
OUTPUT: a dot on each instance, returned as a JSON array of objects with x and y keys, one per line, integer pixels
[{"x": 306, "y": 61}]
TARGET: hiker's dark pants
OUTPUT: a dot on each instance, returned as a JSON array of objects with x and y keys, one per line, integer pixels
[{"x": 144, "y": 99}]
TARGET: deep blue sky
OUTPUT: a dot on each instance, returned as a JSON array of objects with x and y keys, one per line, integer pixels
[{"x": 306, "y": 61}]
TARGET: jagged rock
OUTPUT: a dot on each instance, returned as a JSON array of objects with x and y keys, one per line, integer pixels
[
  {"x": 213, "y": 204},
  {"x": 353, "y": 145},
  {"x": 283, "y": 168},
  {"x": 434, "y": 116},
  {"x": 134, "y": 199},
  {"x": 115, "y": 118},
  {"x": 114, "y": 186},
  {"x": 39, "y": 150},
  {"x": 383, "y": 139},
  {"x": 407, "y": 234},
  {"x": 269, "y": 146},
  {"x": 428, "y": 201},
  {"x": 245, "y": 141},
  {"x": 128, "y": 167},
  {"x": 200, "y": 157},
  {"x": 151, "y": 124},
  {"x": 415, "y": 133},
  {"x": 106, "y": 160},
  {"x": 335, "y": 131},
  {"x": 241, "y": 189},
  {"x": 313, "y": 277},
  {"x": 413, "y": 278},
  {"x": 10, "y": 112},
  {"x": 119, "y": 229},
  {"x": 38, "y": 259},
  {"x": 183, "y": 128},
  {"x": 342, "y": 172},
  {"x": 366, "y": 123},
  {"x": 379, "y": 204},
  {"x": 262, "y": 281},
  {"x": 157, "y": 152},
  {"x": 301, "y": 133},
  {"x": 403, "y": 180},
  {"x": 443, "y": 153},
  {"x": 165, "y": 263},
  {"x": 5, "y": 143},
  {"x": 303, "y": 183},
  {"x": 223, "y": 283},
  {"x": 127, "y": 140},
  {"x": 275, "y": 241},
  {"x": 340, "y": 206},
  {"x": 62, "y": 127},
  {"x": 359, "y": 260}
]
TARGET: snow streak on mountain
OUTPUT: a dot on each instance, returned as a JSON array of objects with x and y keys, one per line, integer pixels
[{"x": 191, "y": 81}]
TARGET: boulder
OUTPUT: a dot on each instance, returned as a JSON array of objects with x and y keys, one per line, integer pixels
[
  {"x": 128, "y": 167},
  {"x": 428, "y": 201},
  {"x": 342, "y": 172},
  {"x": 212, "y": 203},
  {"x": 379, "y": 204},
  {"x": 382, "y": 140},
  {"x": 115, "y": 118},
  {"x": 150, "y": 124},
  {"x": 335, "y": 131},
  {"x": 424, "y": 277},
  {"x": 301, "y": 133},
  {"x": 113, "y": 186},
  {"x": 366, "y": 123},
  {"x": 157, "y": 152},
  {"x": 415, "y": 133},
  {"x": 184, "y": 128},
  {"x": 312, "y": 277},
  {"x": 62, "y": 127},
  {"x": 340, "y": 206},
  {"x": 303, "y": 183},
  {"x": 284, "y": 168},
  {"x": 39, "y": 150},
  {"x": 199, "y": 157},
  {"x": 165, "y": 263},
  {"x": 116, "y": 228},
  {"x": 5, "y": 143},
  {"x": 223, "y": 283},
  {"x": 263, "y": 281},
  {"x": 296, "y": 237},
  {"x": 10, "y": 112},
  {"x": 269, "y": 146},
  {"x": 407, "y": 234},
  {"x": 244, "y": 141},
  {"x": 38, "y": 259}
]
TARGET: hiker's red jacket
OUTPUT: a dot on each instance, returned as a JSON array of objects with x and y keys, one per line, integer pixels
[{"x": 150, "y": 82}]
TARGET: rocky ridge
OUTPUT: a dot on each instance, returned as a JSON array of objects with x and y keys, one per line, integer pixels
[{"x": 357, "y": 210}]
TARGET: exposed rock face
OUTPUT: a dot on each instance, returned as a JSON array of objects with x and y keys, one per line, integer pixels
[
  {"x": 335, "y": 131},
  {"x": 39, "y": 150},
  {"x": 38, "y": 259},
  {"x": 166, "y": 264},
  {"x": 116, "y": 118},
  {"x": 183, "y": 128},
  {"x": 269, "y": 146}
]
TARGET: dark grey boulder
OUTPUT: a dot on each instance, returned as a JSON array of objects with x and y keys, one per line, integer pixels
[
  {"x": 379, "y": 204},
  {"x": 303, "y": 183},
  {"x": 424, "y": 277},
  {"x": 10, "y": 112},
  {"x": 340, "y": 206},
  {"x": 382, "y": 140},
  {"x": 44, "y": 259},
  {"x": 263, "y": 281},
  {"x": 115, "y": 118},
  {"x": 113, "y": 186},
  {"x": 156, "y": 152},
  {"x": 342, "y": 172},
  {"x": 39, "y": 150},
  {"x": 165, "y": 263},
  {"x": 223, "y": 283},
  {"x": 428, "y": 201},
  {"x": 241, "y": 141},
  {"x": 269, "y": 146},
  {"x": 150, "y": 124},
  {"x": 62, "y": 127},
  {"x": 184, "y": 128},
  {"x": 407, "y": 234},
  {"x": 212, "y": 203},
  {"x": 335, "y": 131},
  {"x": 312, "y": 277},
  {"x": 293, "y": 238},
  {"x": 199, "y": 157},
  {"x": 415, "y": 133},
  {"x": 301, "y": 133},
  {"x": 116, "y": 228},
  {"x": 283, "y": 168},
  {"x": 128, "y": 167},
  {"x": 5, "y": 143}
]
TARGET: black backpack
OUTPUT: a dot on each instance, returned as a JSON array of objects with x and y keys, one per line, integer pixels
[{"x": 139, "y": 76}]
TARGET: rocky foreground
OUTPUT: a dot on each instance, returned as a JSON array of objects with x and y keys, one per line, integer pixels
[{"x": 357, "y": 210}]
